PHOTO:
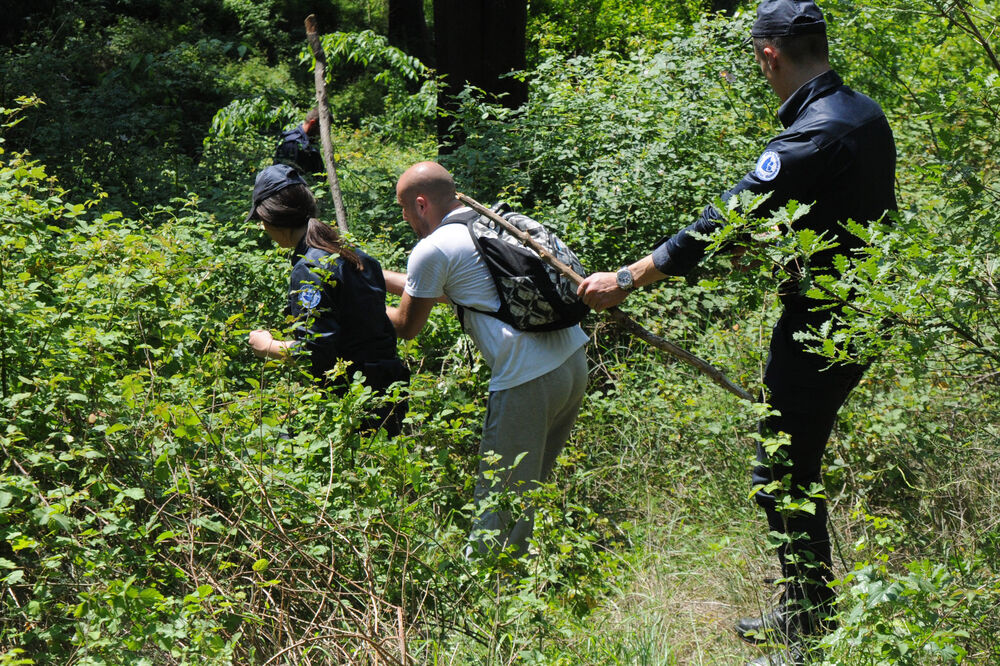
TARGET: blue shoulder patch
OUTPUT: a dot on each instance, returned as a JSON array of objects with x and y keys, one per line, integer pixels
[
  {"x": 309, "y": 296},
  {"x": 768, "y": 166}
]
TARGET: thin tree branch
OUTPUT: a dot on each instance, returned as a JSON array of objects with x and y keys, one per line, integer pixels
[{"x": 319, "y": 76}]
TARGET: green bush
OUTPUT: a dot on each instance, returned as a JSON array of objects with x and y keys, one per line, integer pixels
[
  {"x": 166, "y": 498},
  {"x": 616, "y": 150}
]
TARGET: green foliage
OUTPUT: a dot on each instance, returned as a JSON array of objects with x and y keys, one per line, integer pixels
[
  {"x": 123, "y": 92},
  {"x": 370, "y": 50},
  {"x": 931, "y": 613},
  {"x": 401, "y": 96},
  {"x": 608, "y": 144},
  {"x": 242, "y": 115},
  {"x": 130, "y": 90},
  {"x": 584, "y": 26},
  {"x": 166, "y": 498},
  {"x": 613, "y": 148}
]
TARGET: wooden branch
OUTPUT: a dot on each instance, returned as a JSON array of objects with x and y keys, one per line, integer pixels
[
  {"x": 973, "y": 29},
  {"x": 319, "y": 76},
  {"x": 622, "y": 319}
]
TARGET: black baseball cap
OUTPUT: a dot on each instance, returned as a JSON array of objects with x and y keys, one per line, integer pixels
[
  {"x": 786, "y": 18},
  {"x": 269, "y": 182}
]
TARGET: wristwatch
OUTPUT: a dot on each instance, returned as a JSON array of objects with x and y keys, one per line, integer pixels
[{"x": 624, "y": 279}]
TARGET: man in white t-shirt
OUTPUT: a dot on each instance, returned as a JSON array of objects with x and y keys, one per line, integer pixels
[{"x": 538, "y": 379}]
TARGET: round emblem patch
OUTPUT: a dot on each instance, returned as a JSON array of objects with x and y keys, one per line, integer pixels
[
  {"x": 768, "y": 166},
  {"x": 309, "y": 296}
]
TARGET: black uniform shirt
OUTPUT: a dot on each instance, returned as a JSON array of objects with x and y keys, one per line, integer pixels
[
  {"x": 295, "y": 149},
  {"x": 837, "y": 152},
  {"x": 339, "y": 310}
]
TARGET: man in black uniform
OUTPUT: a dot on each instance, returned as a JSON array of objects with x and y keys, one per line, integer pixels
[
  {"x": 296, "y": 148},
  {"x": 836, "y": 152}
]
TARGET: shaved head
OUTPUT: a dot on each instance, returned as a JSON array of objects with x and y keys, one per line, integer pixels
[
  {"x": 426, "y": 193},
  {"x": 427, "y": 179}
]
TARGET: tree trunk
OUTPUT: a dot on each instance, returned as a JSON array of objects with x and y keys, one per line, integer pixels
[
  {"x": 319, "y": 78},
  {"x": 725, "y": 6},
  {"x": 477, "y": 42},
  {"x": 408, "y": 28}
]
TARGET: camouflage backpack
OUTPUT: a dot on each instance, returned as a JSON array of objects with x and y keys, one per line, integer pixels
[{"x": 533, "y": 295}]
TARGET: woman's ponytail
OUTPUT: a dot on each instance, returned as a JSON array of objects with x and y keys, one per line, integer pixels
[
  {"x": 295, "y": 206},
  {"x": 321, "y": 235}
]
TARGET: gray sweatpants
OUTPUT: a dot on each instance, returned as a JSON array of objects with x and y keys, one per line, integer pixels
[{"x": 534, "y": 419}]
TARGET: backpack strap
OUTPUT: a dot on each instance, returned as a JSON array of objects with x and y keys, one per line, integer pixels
[
  {"x": 461, "y": 218},
  {"x": 468, "y": 218}
]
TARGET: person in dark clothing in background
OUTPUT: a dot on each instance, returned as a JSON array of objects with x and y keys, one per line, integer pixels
[
  {"x": 296, "y": 147},
  {"x": 336, "y": 296},
  {"x": 836, "y": 152}
]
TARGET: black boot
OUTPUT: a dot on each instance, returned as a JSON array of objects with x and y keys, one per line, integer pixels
[
  {"x": 771, "y": 627},
  {"x": 786, "y": 623}
]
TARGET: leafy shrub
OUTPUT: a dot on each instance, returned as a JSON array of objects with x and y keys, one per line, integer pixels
[
  {"x": 617, "y": 150},
  {"x": 166, "y": 498},
  {"x": 398, "y": 101},
  {"x": 584, "y": 26},
  {"x": 155, "y": 509},
  {"x": 932, "y": 613}
]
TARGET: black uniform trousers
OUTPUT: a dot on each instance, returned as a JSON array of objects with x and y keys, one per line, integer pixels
[{"x": 808, "y": 398}]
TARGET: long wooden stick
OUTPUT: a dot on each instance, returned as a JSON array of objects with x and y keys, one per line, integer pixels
[
  {"x": 319, "y": 76},
  {"x": 622, "y": 319}
]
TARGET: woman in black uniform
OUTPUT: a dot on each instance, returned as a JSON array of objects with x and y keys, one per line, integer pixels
[{"x": 336, "y": 295}]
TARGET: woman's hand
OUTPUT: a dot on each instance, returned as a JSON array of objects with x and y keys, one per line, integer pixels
[{"x": 260, "y": 341}]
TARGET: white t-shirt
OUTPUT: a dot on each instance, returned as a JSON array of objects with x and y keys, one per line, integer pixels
[{"x": 447, "y": 262}]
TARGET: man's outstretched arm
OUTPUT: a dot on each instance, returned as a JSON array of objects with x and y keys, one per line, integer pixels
[
  {"x": 601, "y": 291},
  {"x": 394, "y": 282},
  {"x": 409, "y": 318}
]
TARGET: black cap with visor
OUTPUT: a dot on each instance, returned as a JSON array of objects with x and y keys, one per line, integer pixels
[
  {"x": 269, "y": 182},
  {"x": 787, "y": 18}
]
